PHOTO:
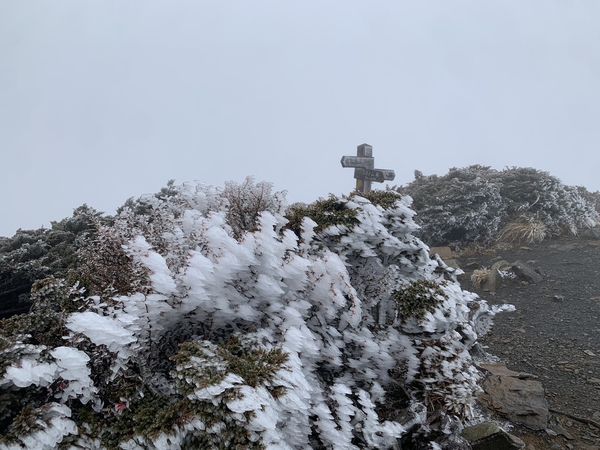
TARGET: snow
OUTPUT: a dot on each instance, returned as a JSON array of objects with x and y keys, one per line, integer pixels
[
  {"x": 230, "y": 381},
  {"x": 58, "y": 424},
  {"x": 30, "y": 372},
  {"x": 326, "y": 299},
  {"x": 103, "y": 330},
  {"x": 248, "y": 400},
  {"x": 73, "y": 367}
]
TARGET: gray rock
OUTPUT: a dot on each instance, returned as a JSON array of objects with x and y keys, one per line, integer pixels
[
  {"x": 501, "y": 265},
  {"x": 590, "y": 233},
  {"x": 444, "y": 252},
  {"x": 526, "y": 273},
  {"x": 501, "y": 370},
  {"x": 489, "y": 436},
  {"x": 559, "y": 430},
  {"x": 491, "y": 282},
  {"x": 473, "y": 266},
  {"x": 452, "y": 263},
  {"x": 515, "y": 396}
]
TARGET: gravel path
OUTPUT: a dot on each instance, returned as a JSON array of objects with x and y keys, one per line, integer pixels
[{"x": 555, "y": 332}]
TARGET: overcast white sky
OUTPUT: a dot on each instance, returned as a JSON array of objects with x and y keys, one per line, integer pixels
[{"x": 106, "y": 99}]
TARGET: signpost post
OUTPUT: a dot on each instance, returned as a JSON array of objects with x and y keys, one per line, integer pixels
[{"x": 364, "y": 169}]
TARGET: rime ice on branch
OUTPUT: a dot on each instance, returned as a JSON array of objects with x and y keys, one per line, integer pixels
[{"x": 329, "y": 327}]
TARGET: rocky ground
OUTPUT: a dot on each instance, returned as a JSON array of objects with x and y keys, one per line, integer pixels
[{"x": 554, "y": 334}]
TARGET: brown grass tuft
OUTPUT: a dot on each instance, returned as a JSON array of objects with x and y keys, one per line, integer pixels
[
  {"x": 480, "y": 276},
  {"x": 529, "y": 231}
]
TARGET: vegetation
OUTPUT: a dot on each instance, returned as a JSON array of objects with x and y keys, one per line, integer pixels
[
  {"x": 474, "y": 204},
  {"x": 255, "y": 365},
  {"x": 419, "y": 298},
  {"x": 526, "y": 230},
  {"x": 199, "y": 318},
  {"x": 480, "y": 276},
  {"x": 328, "y": 212},
  {"x": 385, "y": 198},
  {"x": 32, "y": 255}
]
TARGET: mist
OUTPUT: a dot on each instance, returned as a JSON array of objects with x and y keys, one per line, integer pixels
[{"x": 103, "y": 100}]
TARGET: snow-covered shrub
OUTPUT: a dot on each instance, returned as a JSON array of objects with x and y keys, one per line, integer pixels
[
  {"x": 32, "y": 255},
  {"x": 473, "y": 204},
  {"x": 591, "y": 198},
  {"x": 540, "y": 196},
  {"x": 245, "y": 202},
  {"x": 464, "y": 205},
  {"x": 292, "y": 334}
]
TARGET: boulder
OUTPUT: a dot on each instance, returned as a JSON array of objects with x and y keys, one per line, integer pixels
[
  {"x": 445, "y": 253},
  {"x": 494, "y": 279},
  {"x": 525, "y": 272},
  {"x": 452, "y": 263},
  {"x": 489, "y": 436},
  {"x": 516, "y": 396},
  {"x": 491, "y": 282}
]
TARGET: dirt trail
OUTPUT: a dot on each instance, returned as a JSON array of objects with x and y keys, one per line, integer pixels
[{"x": 555, "y": 332}]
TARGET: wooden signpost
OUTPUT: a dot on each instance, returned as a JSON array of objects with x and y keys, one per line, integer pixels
[{"x": 364, "y": 169}]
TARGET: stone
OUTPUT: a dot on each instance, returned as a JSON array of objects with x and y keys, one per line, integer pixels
[
  {"x": 489, "y": 436},
  {"x": 501, "y": 265},
  {"x": 501, "y": 370},
  {"x": 491, "y": 282},
  {"x": 526, "y": 273},
  {"x": 452, "y": 263},
  {"x": 494, "y": 280},
  {"x": 444, "y": 252},
  {"x": 559, "y": 430},
  {"x": 516, "y": 396}
]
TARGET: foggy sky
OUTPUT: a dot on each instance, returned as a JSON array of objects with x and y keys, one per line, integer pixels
[{"x": 101, "y": 100}]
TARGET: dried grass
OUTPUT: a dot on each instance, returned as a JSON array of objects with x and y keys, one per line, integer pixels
[
  {"x": 480, "y": 276},
  {"x": 528, "y": 231}
]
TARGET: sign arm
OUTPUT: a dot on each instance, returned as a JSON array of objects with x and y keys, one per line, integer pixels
[{"x": 364, "y": 169}]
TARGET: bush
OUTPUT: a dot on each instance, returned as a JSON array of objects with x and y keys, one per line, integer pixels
[
  {"x": 325, "y": 213},
  {"x": 246, "y": 201},
  {"x": 480, "y": 276},
  {"x": 543, "y": 198},
  {"x": 32, "y": 255},
  {"x": 219, "y": 337},
  {"x": 473, "y": 204}
]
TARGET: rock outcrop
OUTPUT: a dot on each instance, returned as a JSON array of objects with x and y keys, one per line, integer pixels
[{"x": 516, "y": 396}]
